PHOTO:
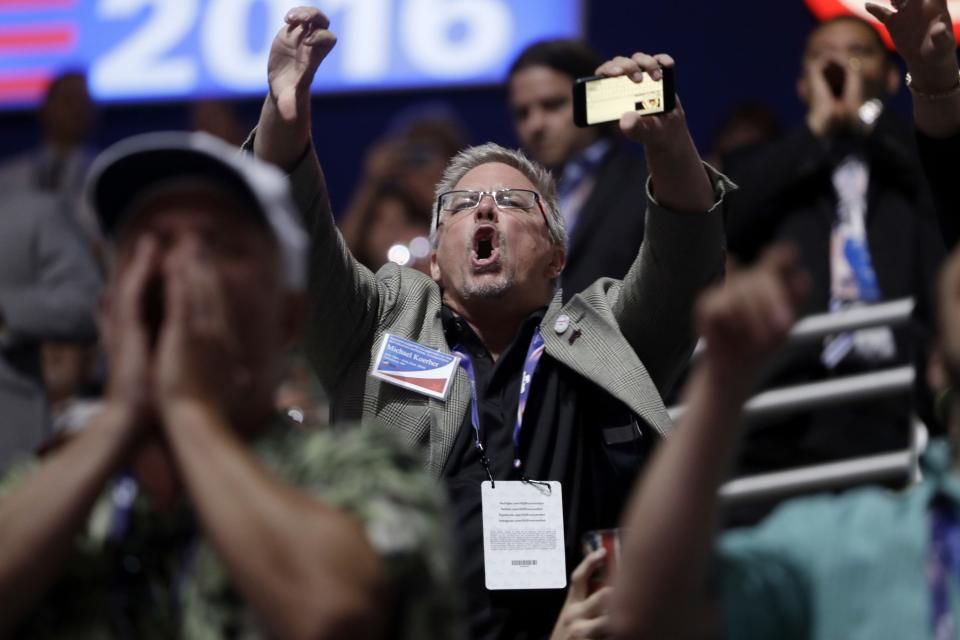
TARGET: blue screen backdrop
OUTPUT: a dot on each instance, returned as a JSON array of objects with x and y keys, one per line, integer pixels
[{"x": 142, "y": 50}]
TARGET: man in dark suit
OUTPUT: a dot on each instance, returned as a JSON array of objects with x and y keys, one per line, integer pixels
[
  {"x": 847, "y": 190},
  {"x": 599, "y": 181}
]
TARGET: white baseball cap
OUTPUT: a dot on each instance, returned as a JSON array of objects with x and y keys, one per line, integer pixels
[{"x": 131, "y": 167}]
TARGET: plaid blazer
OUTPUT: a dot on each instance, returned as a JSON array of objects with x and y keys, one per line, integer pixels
[{"x": 634, "y": 336}]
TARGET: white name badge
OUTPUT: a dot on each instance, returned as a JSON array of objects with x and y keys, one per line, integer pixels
[
  {"x": 523, "y": 544},
  {"x": 411, "y": 365}
]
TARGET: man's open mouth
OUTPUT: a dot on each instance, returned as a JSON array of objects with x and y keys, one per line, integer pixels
[{"x": 486, "y": 249}]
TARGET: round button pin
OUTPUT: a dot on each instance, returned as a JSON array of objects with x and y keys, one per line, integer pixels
[{"x": 562, "y": 323}]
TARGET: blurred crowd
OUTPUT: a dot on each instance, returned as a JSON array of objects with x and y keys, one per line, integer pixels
[{"x": 231, "y": 411}]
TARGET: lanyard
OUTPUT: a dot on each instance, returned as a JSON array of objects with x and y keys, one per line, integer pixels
[
  {"x": 124, "y": 494},
  {"x": 534, "y": 353},
  {"x": 123, "y": 497},
  {"x": 943, "y": 560}
]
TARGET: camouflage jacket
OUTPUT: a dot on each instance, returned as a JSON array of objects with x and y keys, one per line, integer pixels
[{"x": 162, "y": 579}]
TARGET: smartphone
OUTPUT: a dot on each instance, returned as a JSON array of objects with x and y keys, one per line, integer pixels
[{"x": 600, "y": 99}]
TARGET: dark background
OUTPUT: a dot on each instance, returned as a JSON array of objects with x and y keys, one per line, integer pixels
[{"x": 727, "y": 53}]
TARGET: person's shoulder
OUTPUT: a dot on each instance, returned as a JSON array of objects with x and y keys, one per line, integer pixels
[
  {"x": 405, "y": 291},
  {"x": 370, "y": 473},
  {"x": 404, "y": 276},
  {"x": 361, "y": 443},
  {"x": 599, "y": 296},
  {"x": 41, "y": 205},
  {"x": 18, "y": 166},
  {"x": 347, "y": 464},
  {"x": 863, "y": 505},
  {"x": 805, "y": 525},
  {"x": 624, "y": 166}
]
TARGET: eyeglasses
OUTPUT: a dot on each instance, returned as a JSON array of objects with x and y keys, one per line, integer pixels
[{"x": 455, "y": 202}]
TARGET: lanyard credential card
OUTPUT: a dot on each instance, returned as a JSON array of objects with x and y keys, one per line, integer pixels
[{"x": 523, "y": 542}]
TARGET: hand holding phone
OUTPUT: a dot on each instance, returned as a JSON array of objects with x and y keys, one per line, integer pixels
[{"x": 600, "y": 99}]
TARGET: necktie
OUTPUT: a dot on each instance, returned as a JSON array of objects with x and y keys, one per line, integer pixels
[{"x": 853, "y": 281}]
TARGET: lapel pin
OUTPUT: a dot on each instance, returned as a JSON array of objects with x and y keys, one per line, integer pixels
[
  {"x": 573, "y": 336},
  {"x": 561, "y": 324}
]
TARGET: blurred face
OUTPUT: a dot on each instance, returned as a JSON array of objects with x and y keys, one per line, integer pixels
[
  {"x": 390, "y": 224},
  {"x": 247, "y": 266},
  {"x": 488, "y": 253},
  {"x": 541, "y": 103},
  {"x": 68, "y": 114},
  {"x": 846, "y": 40}
]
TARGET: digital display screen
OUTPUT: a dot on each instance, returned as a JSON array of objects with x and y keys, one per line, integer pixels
[
  {"x": 137, "y": 50},
  {"x": 609, "y": 98}
]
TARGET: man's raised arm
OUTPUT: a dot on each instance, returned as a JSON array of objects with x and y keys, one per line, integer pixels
[
  {"x": 683, "y": 249},
  {"x": 676, "y": 171},
  {"x": 283, "y": 132},
  {"x": 342, "y": 293},
  {"x": 670, "y": 519}
]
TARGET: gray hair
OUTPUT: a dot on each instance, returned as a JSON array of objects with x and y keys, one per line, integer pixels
[{"x": 473, "y": 157}]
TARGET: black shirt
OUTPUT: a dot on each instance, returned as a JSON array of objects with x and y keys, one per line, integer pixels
[{"x": 573, "y": 432}]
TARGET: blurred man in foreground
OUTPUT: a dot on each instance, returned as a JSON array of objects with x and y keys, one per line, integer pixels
[
  {"x": 187, "y": 507},
  {"x": 866, "y": 564}
]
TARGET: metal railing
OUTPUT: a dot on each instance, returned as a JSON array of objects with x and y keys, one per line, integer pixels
[
  {"x": 816, "y": 395},
  {"x": 894, "y": 466},
  {"x": 823, "y": 477},
  {"x": 895, "y": 313},
  {"x": 786, "y": 400}
]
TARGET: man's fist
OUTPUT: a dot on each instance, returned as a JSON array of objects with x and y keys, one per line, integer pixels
[
  {"x": 296, "y": 53},
  {"x": 747, "y": 318}
]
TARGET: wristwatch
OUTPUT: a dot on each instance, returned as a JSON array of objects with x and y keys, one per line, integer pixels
[{"x": 933, "y": 96}]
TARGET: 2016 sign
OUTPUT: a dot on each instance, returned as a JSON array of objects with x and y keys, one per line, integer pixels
[
  {"x": 142, "y": 49},
  {"x": 826, "y": 9}
]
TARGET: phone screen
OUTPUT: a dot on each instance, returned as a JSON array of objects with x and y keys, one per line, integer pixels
[{"x": 609, "y": 98}]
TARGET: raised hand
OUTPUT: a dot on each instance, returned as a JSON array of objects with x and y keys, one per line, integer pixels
[
  {"x": 679, "y": 179},
  {"x": 659, "y": 129},
  {"x": 197, "y": 350},
  {"x": 747, "y": 318},
  {"x": 922, "y": 32},
  {"x": 830, "y": 111},
  {"x": 128, "y": 328},
  {"x": 296, "y": 53}
]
